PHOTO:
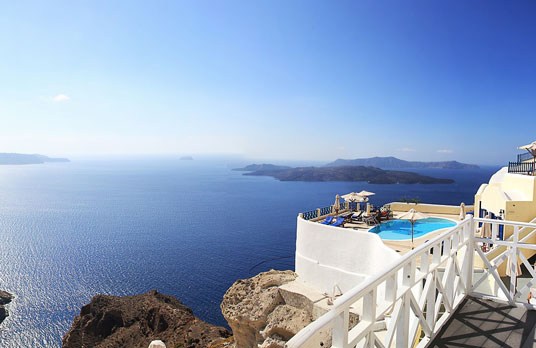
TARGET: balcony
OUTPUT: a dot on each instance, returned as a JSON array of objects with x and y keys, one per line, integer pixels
[
  {"x": 415, "y": 300},
  {"x": 525, "y": 168}
]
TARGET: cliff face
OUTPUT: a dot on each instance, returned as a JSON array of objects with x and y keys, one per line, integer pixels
[
  {"x": 134, "y": 321},
  {"x": 5, "y": 298},
  {"x": 258, "y": 313}
]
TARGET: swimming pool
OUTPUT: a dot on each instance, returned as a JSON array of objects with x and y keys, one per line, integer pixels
[{"x": 401, "y": 229}]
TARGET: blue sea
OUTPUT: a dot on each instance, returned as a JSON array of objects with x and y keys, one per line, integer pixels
[{"x": 69, "y": 231}]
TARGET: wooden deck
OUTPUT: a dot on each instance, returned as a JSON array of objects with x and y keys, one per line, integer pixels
[{"x": 484, "y": 323}]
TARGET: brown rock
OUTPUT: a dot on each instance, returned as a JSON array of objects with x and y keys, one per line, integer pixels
[
  {"x": 258, "y": 314},
  {"x": 3, "y": 313},
  {"x": 5, "y": 297},
  {"x": 285, "y": 321},
  {"x": 134, "y": 321}
]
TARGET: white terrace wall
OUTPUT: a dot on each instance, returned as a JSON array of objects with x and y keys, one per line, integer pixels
[
  {"x": 429, "y": 208},
  {"x": 327, "y": 256}
]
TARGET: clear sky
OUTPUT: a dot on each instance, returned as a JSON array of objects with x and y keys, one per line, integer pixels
[{"x": 309, "y": 80}]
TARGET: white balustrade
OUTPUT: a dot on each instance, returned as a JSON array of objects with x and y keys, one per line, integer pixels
[{"x": 409, "y": 301}]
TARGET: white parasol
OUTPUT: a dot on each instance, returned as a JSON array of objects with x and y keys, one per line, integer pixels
[
  {"x": 366, "y": 193},
  {"x": 462, "y": 211},
  {"x": 352, "y": 197},
  {"x": 412, "y": 215},
  {"x": 531, "y": 148},
  {"x": 337, "y": 204}
]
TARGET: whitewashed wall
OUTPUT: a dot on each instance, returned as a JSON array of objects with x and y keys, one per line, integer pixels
[{"x": 327, "y": 256}]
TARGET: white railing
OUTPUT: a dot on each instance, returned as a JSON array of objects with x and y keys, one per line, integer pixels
[
  {"x": 408, "y": 302},
  {"x": 514, "y": 251}
]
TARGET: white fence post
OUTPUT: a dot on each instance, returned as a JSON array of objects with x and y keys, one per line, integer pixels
[
  {"x": 340, "y": 330},
  {"x": 469, "y": 234},
  {"x": 422, "y": 289},
  {"x": 513, "y": 264}
]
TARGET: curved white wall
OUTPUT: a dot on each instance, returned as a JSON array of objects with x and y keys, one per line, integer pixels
[{"x": 327, "y": 256}]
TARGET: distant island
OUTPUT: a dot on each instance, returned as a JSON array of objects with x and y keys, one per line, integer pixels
[
  {"x": 371, "y": 175},
  {"x": 187, "y": 158},
  {"x": 19, "y": 158},
  {"x": 262, "y": 167},
  {"x": 395, "y": 163}
]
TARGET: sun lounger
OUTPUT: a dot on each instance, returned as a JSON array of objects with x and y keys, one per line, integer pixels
[
  {"x": 357, "y": 216},
  {"x": 384, "y": 215},
  {"x": 328, "y": 220},
  {"x": 370, "y": 220},
  {"x": 346, "y": 215},
  {"x": 338, "y": 222}
]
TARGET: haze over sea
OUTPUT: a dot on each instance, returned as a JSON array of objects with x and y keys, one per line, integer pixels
[{"x": 187, "y": 228}]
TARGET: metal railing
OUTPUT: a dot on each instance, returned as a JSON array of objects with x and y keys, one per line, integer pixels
[
  {"x": 407, "y": 303},
  {"x": 524, "y": 157},
  {"x": 313, "y": 214},
  {"x": 521, "y": 168},
  {"x": 326, "y": 210}
]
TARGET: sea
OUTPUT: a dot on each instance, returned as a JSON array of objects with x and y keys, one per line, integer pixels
[{"x": 123, "y": 226}]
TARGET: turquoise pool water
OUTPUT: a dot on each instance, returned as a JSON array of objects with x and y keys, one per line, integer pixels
[{"x": 401, "y": 229}]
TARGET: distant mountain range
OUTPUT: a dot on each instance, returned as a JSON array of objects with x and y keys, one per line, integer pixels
[
  {"x": 349, "y": 173},
  {"x": 19, "y": 158},
  {"x": 395, "y": 163}
]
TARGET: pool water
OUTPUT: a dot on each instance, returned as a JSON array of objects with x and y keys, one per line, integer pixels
[{"x": 401, "y": 229}]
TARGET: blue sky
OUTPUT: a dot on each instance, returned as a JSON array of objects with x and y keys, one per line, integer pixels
[{"x": 308, "y": 80}]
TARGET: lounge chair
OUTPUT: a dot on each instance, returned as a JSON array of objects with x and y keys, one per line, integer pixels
[
  {"x": 384, "y": 215},
  {"x": 338, "y": 222},
  {"x": 328, "y": 220},
  {"x": 357, "y": 216},
  {"x": 370, "y": 220},
  {"x": 347, "y": 216}
]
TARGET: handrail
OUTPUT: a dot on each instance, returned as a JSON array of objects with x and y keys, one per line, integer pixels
[
  {"x": 526, "y": 168},
  {"x": 343, "y": 303},
  {"x": 524, "y": 157},
  {"x": 422, "y": 289}
]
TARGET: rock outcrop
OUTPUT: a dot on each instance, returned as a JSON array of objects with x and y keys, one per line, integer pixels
[
  {"x": 134, "y": 321},
  {"x": 258, "y": 314},
  {"x": 5, "y": 298}
]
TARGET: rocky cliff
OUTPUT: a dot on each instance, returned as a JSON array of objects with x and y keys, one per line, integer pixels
[
  {"x": 263, "y": 311},
  {"x": 259, "y": 314},
  {"x": 5, "y": 298},
  {"x": 134, "y": 321}
]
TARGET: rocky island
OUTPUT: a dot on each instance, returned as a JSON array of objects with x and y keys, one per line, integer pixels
[
  {"x": 19, "y": 159},
  {"x": 258, "y": 167},
  {"x": 371, "y": 175},
  {"x": 396, "y": 163},
  {"x": 134, "y": 321}
]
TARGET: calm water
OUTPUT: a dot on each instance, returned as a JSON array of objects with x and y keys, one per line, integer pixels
[
  {"x": 402, "y": 229},
  {"x": 186, "y": 228}
]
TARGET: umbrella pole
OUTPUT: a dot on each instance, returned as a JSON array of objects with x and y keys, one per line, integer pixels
[{"x": 412, "y": 234}]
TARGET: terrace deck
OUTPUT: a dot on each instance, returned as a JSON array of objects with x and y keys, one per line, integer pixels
[
  {"x": 402, "y": 246},
  {"x": 484, "y": 323}
]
